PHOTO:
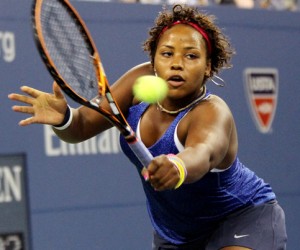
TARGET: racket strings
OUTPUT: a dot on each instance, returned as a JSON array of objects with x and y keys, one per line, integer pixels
[{"x": 68, "y": 49}]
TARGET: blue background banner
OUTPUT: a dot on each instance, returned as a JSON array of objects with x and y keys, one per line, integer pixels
[{"x": 88, "y": 196}]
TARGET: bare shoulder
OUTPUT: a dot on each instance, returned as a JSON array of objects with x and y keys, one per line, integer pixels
[
  {"x": 125, "y": 82},
  {"x": 122, "y": 88},
  {"x": 211, "y": 122},
  {"x": 133, "y": 73},
  {"x": 217, "y": 100},
  {"x": 140, "y": 69},
  {"x": 212, "y": 114},
  {"x": 144, "y": 66},
  {"x": 213, "y": 105}
]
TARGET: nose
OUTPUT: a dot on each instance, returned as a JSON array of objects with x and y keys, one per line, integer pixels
[
  {"x": 176, "y": 67},
  {"x": 177, "y": 63}
]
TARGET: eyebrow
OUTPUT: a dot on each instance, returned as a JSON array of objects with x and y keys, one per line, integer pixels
[{"x": 185, "y": 48}]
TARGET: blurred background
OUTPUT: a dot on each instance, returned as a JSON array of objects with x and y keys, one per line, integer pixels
[{"x": 55, "y": 196}]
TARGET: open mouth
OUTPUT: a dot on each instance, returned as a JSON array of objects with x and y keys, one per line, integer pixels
[{"x": 175, "y": 80}]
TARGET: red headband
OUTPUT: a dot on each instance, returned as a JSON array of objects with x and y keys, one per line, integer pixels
[{"x": 196, "y": 27}]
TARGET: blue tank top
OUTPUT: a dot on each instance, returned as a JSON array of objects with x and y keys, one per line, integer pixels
[{"x": 187, "y": 213}]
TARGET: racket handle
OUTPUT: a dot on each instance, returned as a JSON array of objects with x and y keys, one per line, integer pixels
[{"x": 141, "y": 152}]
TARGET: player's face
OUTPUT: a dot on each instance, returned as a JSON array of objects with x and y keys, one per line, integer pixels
[{"x": 181, "y": 59}]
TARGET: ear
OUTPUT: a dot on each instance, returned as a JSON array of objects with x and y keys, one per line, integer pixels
[{"x": 208, "y": 69}]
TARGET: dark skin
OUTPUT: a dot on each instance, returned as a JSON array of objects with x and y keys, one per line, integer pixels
[
  {"x": 207, "y": 132},
  {"x": 210, "y": 140}
]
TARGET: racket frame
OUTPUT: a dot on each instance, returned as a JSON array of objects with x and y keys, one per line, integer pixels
[{"x": 117, "y": 118}]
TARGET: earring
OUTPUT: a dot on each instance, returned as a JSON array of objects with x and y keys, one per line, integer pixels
[{"x": 217, "y": 80}]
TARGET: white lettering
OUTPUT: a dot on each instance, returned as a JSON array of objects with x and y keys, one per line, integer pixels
[
  {"x": 10, "y": 184},
  {"x": 262, "y": 83},
  {"x": 105, "y": 143},
  {"x": 7, "y": 46}
]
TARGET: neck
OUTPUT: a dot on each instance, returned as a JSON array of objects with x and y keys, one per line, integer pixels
[{"x": 173, "y": 112}]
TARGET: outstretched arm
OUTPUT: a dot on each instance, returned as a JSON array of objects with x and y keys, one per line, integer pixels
[
  {"x": 209, "y": 137},
  {"x": 87, "y": 123},
  {"x": 46, "y": 108}
]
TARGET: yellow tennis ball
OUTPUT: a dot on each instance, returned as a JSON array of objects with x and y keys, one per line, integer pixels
[{"x": 150, "y": 89}]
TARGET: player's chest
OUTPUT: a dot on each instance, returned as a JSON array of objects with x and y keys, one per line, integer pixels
[{"x": 153, "y": 126}]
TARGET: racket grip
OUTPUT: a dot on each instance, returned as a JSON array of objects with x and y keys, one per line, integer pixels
[{"x": 141, "y": 152}]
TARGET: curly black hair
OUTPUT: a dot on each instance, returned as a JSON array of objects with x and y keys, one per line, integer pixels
[{"x": 222, "y": 50}]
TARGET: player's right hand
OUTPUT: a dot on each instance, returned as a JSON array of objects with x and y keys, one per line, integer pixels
[{"x": 44, "y": 108}]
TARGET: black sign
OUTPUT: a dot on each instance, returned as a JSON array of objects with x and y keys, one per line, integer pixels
[{"x": 14, "y": 219}]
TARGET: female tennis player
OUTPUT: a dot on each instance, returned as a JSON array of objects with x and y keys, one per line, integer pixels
[{"x": 199, "y": 194}]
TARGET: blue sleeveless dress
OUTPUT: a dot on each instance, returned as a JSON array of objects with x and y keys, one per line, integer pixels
[{"x": 192, "y": 211}]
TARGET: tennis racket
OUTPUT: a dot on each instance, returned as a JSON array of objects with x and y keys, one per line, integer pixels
[{"x": 72, "y": 59}]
